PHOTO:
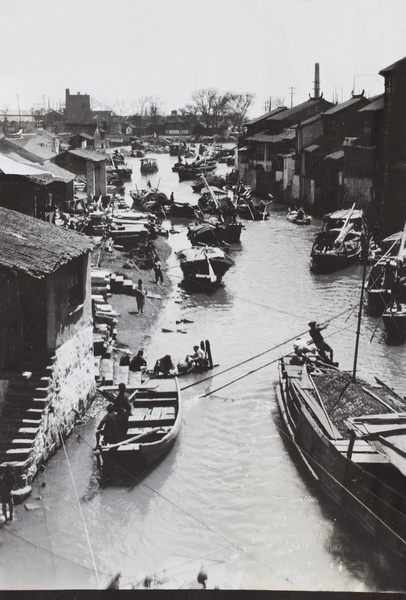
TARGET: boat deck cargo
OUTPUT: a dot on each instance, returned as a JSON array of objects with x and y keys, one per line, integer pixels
[{"x": 328, "y": 417}]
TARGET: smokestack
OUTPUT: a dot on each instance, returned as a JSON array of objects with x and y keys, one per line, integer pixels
[{"x": 316, "y": 80}]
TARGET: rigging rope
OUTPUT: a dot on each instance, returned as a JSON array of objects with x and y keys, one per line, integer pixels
[
  {"x": 196, "y": 519},
  {"x": 81, "y": 512},
  {"x": 269, "y": 350}
]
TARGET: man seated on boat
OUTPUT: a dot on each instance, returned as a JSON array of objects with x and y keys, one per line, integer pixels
[
  {"x": 164, "y": 366},
  {"x": 197, "y": 359},
  {"x": 108, "y": 427},
  {"x": 138, "y": 362},
  {"x": 322, "y": 347}
]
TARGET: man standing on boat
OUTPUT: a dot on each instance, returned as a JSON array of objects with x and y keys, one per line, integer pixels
[
  {"x": 322, "y": 346},
  {"x": 122, "y": 408}
]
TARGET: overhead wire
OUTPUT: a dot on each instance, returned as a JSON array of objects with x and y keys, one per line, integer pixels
[
  {"x": 190, "y": 515},
  {"x": 266, "y": 351},
  {"x": 81, "y": 511}
]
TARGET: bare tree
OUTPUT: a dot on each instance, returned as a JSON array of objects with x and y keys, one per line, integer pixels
[
  {"x": 140, "y": 104},
  {"x": 237, "y": 109},
  {"x": 278, "y": 101},
  {"x": 209, "y": 105},
  {"x": 120, "y": 107},
  {"x": 154, "y": 106}
]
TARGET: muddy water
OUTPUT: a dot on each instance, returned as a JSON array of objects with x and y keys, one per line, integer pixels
[{"x": 231, "y": 495}]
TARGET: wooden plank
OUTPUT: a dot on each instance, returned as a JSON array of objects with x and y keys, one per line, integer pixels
[
  {"x": 318, "y": 411},
  {"x": 370, "y": 458},
  {"x": 359, "y": 446},
  {"x": 139, "y": 413}
]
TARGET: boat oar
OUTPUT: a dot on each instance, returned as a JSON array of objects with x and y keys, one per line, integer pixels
[{"x": 135, "y": 438}]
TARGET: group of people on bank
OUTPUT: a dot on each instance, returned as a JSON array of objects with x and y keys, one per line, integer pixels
[{"x": 114, "y": 424}]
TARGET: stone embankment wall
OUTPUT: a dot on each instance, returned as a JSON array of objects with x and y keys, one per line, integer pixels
[{"x": 72, "y": 389}]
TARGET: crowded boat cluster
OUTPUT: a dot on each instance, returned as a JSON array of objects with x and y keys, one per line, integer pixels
[{"x": 341, "y": 425}]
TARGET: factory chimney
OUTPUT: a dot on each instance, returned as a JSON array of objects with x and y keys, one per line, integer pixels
[{"x": 316, "y": 80}]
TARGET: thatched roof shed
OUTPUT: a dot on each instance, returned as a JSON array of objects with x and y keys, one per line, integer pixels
[{"x": 36, "y": 247}]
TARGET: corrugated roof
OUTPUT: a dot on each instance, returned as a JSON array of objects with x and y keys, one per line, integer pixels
[
  {"x": 401, "y": 62},
  {"x": 9, "y": 166},
  {"x": 58, "y": 172},
  {"x": 311, "y": 148},
  {"x": 310, "y": 120},
  {"x": 343, "y": 105},
  {"x": 288, "y": 134},
  {"x": 35, "y": 247},
  {"x": 12, "y": 164},
  {"x": 375, "y": 105},
  {"x": 336, "y": 155},
  {"x": 275, "y": 111},
  {"x": 92, "y": 156},
  {"x": 296, "y": 109}
]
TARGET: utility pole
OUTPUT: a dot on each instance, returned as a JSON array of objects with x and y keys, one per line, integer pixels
[
  {"x": 18, "y": 105},
  {"x": 291, "y": 91}
]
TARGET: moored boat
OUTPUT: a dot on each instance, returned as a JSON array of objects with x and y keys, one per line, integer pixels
[
  {"x": 183, "y": 209},
  {"x": 215, "y": 233},
  {"x": 148, "y": 165},
  {"x": 327, "y": 417},
  {"x": 153, "y": 427},
  {"x": 186, "y": 173},
  {"x": 299, "y": 217},
  {"x": 384, "y": 273},
  {"x": 394, "y": 319},
  {"x": 341, "y": 241},
  {"x": 204, "y": 265}
]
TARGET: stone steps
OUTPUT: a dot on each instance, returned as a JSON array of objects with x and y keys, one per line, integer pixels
[{"x": 22, "y": 412}]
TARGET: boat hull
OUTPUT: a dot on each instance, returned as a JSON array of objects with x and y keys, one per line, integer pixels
[
  {"x": 395, "y": 323},
  {"x": 227, "y": 233},
  {"x": 328, "y": 262},
  {"x": 378, "y": 300},
  {"x": 153, "y": 426},
  {"x": 351, "y": 484}
]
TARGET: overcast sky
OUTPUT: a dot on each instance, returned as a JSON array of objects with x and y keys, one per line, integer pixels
[{"x": 117, "y": 51}]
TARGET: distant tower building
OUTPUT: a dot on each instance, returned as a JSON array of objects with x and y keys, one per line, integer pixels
[{"x": 77, "y": 108}]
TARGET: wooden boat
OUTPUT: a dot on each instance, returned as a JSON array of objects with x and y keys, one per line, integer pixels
[
  {"x": 299, "y": 217},
  {"x": 185, "y": 367},
  {"x": 252, "y": 212},
  {"x": 212, "y": 234},
  {"x": 148, "y": 165},
  {"x": 204, "y": 265},
  {"x": 394, "y": 320},
  {"x": 383, "y": 274},
  {"x": 153, "y": 426},
  {"x": 340, "y": 242},
  {"x": 225, "y": 228},
  {"x": 213, "y": 180},
  {"x": 319, "y": 405},
  {"x": 183, "y": 209},
  {"x": 128, "y": 233},
  {"x": 124, "y": 172},
  {"x": 187, "y": 173}
]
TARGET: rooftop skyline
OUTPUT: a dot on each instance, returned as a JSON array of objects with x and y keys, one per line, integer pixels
[{"x": 171, "y": 49}]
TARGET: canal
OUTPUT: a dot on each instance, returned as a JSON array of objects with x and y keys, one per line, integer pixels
[{"x": 231, "y": 496}]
